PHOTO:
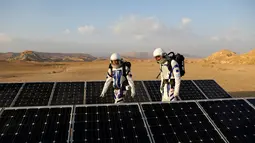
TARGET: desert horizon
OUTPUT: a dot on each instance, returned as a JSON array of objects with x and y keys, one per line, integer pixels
[{"x": 233, "y": 72}]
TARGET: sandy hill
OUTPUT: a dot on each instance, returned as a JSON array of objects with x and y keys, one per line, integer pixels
[
  {"x": 227, "y": 56},
  {"x": 46, "y": 57}
]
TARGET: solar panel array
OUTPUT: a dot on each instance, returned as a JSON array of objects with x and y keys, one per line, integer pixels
[
  {"x": 70, "y": 93},
  {"x": 201, "y": 116},
  {"x": 213, "y": 120}
]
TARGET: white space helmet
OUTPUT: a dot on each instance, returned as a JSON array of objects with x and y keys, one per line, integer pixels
[
  {"x": 115, "y": 60},
  {"x": 159, "y": 54}
]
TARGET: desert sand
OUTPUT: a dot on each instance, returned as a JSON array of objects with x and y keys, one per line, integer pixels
[{"x": 238, "y": 80}]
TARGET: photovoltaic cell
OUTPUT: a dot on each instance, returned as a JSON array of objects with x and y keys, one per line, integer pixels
[
  {"x": 211, "y": 89},
  {"x": 235, "y": 119},
  {"x": 35, "y": 94},
  {"x": 188, "y": 91},
  {"x": 8, "y": 91},
  {"x": 68, "y": 93},
  {"x": 113, "y": 123},
  {"x": 93, "y": 91},
  {"x": 35, "y": 125},
  {"x": 252, "y": 101},
  {"x": 141, "y": 95},
  {"x": 179, "y": 122},
  {"x": 153, "y": 89}
]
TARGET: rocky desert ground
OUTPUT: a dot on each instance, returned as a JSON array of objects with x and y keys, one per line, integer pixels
[{"x": 237, "y": 77}]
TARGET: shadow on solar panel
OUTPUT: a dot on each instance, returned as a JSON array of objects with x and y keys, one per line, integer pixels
[
  {"x": 211, "y": 89},
  {"x": 235, "y": 119},
  {"x": 35, "y": 125},
  {"x": 35, "y": 94},
  {"x": 8, "y": 92},
  {"x": 113, "y": 123},
  {"x": 179, "y": 122},
  {"x": 68, "y": 93}
]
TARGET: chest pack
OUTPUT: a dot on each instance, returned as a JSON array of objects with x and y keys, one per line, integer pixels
[{"x": 124, "y": 65}]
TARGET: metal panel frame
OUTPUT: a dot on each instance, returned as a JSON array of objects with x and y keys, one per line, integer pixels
[
  {"x": 146, "y": 124},
  {"x": 52, "y": 93},
  {"x": 17, "y": 95},
  {"x": 85, "y": 92},
  {"x": 146, "y": 90},
  {"x": 199, "y": 89},
  {"x": 246, "y": 100}
]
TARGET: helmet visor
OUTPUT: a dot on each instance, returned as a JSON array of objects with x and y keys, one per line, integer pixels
[
  {"x": 158, "y": 58},
  {"x": 115, "y": 62}
]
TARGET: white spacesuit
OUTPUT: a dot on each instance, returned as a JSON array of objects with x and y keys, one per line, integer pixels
[
  {"x": 170, "y": 79},
  {"x": 120, "y": 74}
]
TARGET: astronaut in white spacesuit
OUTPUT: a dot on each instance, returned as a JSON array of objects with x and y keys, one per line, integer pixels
[
  {"x": 119, "y": 73},
  {"x": 170, "y": 75}
]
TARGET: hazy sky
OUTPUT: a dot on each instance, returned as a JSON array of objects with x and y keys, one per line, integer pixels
[{"x": 186, "y": 26}]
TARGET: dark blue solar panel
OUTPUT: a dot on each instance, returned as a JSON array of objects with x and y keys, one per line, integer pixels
[
  {"x": 235, "y": 119},
  {"x": 68, "y": 93},
  {"x": 211, "y": 89},
  {"x": 114, "y": 123},
  {"x": 35, "y": 125},
  {"x": 8, "y": 92},
  {"x": 179, "y": 122},
  {"x": 35, "y": 94}
]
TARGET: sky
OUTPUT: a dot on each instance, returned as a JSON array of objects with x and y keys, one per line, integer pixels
[{"x": 196, "y": 27}]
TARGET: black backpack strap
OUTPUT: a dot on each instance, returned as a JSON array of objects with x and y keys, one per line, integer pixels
[{"x": 110, "y": 67}]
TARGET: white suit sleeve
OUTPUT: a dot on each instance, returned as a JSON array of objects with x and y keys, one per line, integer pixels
[
  {"x": 161, "y": 78},
  {"x": 107, "y": 82},
  {"x": 130, "y": 80},
  {"x": 177, "y": 77}
]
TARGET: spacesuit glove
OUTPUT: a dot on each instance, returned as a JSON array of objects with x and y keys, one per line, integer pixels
[
  {"x": 102, "y": 95},
  {"x": 161, "y": 89},
  {"x": 132, "y": 94}
]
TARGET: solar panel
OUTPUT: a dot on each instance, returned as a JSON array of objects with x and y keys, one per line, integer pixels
[
  {"x": 93, "y": 91},
  {"x": 211, "y": 89},
  {"x": 235, "y": 118},
  {"x": 35, "y": 125},
  {"x": 35, "y": 94},
  {"x": 112, "y": 123},
  {"x": 141, "y": 95},
  {"x": 179, "y": 122},
  {"x": 152, "y": 87},
  {"x": 68, "y": 93},
  {"x": 252, "y": 101},
  {"x": 8, "y": 92},
  {"x": 189, "y": 91}
]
